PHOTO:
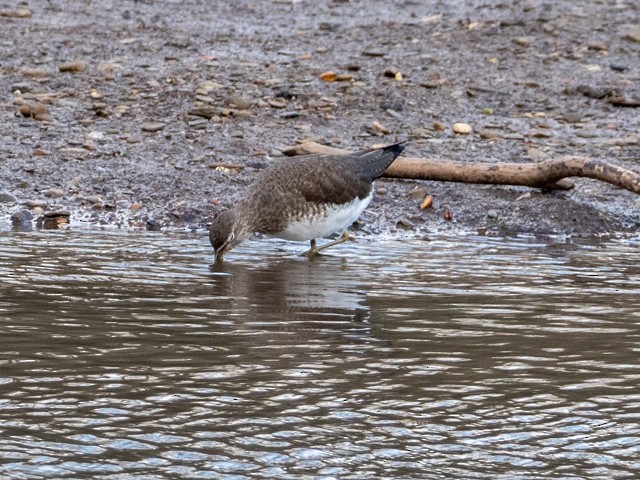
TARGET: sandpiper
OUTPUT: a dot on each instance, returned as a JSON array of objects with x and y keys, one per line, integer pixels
[{"x": 304, "y": 199}]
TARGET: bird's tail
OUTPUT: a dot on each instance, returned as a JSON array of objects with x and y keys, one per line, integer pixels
[{"x": 373, "y": 163}]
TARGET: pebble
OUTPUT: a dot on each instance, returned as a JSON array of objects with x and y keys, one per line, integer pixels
[
  {"x": 72, "y": 66},
  {"x": 6, "y": 197},
  {"x": 439, "y": 126},
  {"x": 35, "y": 203},
  {"x": 54, "y": 193},
  {"x": 587, "y": 133},
  {"x": 17, "y": 13},
  {"x": 632, "y": 32},
  {"x": 526, "y": 41},
  {"x": 152, "y": 127},
  {"x": 239, "y": 102},
  {"x": 462, "y": 128},
  {"x": 378, "y": 127},
  {"x": 536, "y": 154},
  {"x": 95, "y": 200},
  {"x": 492, "y": 213},
  {"x": 381, "y": 191},
  {"x": 277, "y": 103},
  {"x": 22, "y": 218},
  {"x": 153, "y": 225},
  {"x": 418, "y": 193},
  {"x": 36, "y": 110},
  {"x": 289, "y": 114},
  {"x": 489, "y": 134},
  {"x": 405, "y": 223},
  {"x": 524, "y": 196},
  {"x": 597, "y": 45},
  {"x": 540, "y": 133},
  {"x": 35, "y": 72},
  {"x": 373, "y": 53},
  {"x": 73, "y": 152},
  {"x": 572, "y": 117},
  {"x": 22, "y": 87}
]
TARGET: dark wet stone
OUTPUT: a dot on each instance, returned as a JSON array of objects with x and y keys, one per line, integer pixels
[
  {"x": 289, "y": 114},
  {"x": 57, "y": 213},
  {"x": 22, "y": 217},
  {"x": 6, "y": 197},
  {"x": 153, "y": 225},
  {"x": 618, "y": 67}
]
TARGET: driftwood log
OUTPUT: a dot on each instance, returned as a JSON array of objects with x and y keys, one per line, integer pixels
[{"x": 548, "y": 174}]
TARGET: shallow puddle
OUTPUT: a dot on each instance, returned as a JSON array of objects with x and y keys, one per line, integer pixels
[{"x": 132, "y": 356}]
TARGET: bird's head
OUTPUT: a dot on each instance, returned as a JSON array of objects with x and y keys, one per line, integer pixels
[{"x": 225, "y": 233}]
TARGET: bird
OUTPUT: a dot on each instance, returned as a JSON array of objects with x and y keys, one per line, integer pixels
[{"x": 304, "y": 199}]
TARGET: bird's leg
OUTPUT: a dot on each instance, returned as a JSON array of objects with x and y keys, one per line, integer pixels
[
  {"x": 312, "y": 251},
  {"x": 343, "y": 238}
]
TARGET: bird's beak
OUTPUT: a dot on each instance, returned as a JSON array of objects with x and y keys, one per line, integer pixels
[{"x": 220, "y": 253}]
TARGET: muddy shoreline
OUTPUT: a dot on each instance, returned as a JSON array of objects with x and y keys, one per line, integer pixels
[{"x": 122, "y": 115}]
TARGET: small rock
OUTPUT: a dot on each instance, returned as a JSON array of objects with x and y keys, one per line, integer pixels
[
  {"x": 373, "y": 53},
  {"x": 488, "y": 134},
  {"x": 153, "y": 225},
  {"x": 378, "y": 127},
  {"x": 439, "y": 126},
  {"x": 22, "y": 218},
  {"x": 17, "y": 13},
  {"x": 277, "y": 103},
  {"x": 430, "y": 84},
  {"x": 618, "y": 67},
  {"x": 536, "y": 154},
  {"x": 7, "y": 198},
  {"x": 587, "y": 133},
  {"x": 36, "y": 110},
  {"x": 523, "y": 196},
  {"x": 35, "y": 203},
  {"x": 94, "y": 200},
  {"x": 54, "y": 193},
  {"x": 418, "y": 193},
  {"x": 492, "y": 213},
  {"x": 54, "y": 219},
  {"x": 391, "y": 72},
  {"x": 73, "y": 152},
  {"x": 462, "y": 128},
  {"x": 526, "y": 41},
  {"x": 597, "y": 45},
  {"x": 34, "y": 72},
  {"x": 405, "y": 223},
  {"x": 381, "y": 191},
  {"x": 621, "y": 142},
  {"x": 239, "y": 102},
  {"x": 420, "y": 133},
  {"x": 632, "y": 32},
  {"x": 152, "y": 127},
  {"x": 624, "y": 101},
  {"x": 72, "y": 66},
  {"x": 289, "y": 114},
  {"x": 22, "y": 87},
  {"x": 540, "y": 133},
  {"x": 572, "y": 117}
]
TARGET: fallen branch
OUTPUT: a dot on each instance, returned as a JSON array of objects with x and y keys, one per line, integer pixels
[{"x": 546, "y": 174}]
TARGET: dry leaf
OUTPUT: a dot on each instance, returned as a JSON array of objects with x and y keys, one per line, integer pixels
[
  {"x": 427, "y": 203},
  {"x": 328, "y": 76}
]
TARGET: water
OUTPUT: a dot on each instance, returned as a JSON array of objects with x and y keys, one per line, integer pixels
[{"x": 132, "y": 357}]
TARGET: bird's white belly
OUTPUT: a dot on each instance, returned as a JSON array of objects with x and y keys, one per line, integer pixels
[{"x": 334, "y": 219}]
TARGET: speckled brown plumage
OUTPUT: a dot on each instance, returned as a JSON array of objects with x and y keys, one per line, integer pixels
[{"x": 301, "y": 188}]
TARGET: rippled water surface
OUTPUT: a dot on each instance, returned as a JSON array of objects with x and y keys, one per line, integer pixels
[{"x": 131, "y": 356}]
